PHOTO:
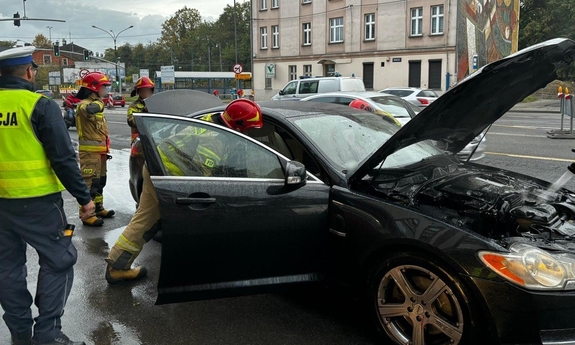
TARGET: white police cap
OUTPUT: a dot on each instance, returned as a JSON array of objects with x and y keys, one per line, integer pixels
[{"x": 17, "y": 56}]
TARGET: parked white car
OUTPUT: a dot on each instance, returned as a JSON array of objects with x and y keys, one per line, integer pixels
[
  {"x": 419, "y": 97},
  {"x": 304, "y": 87}
]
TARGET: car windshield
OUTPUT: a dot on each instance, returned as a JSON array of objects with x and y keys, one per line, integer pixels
[
  {"x": 392, "y": 106},
  {"x": 399, "y": 93},
  {"x": 348, "y": 140}
]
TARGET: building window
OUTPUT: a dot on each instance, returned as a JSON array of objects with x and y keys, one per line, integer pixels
[
  {"x": 47, "y": 59},
  {"x": 336, "y": 30},
  {"x": 264, "y": 37},
  {"x": 268, "y": 83},
  {"x": 275, "y": 3},
  {"x": 275, "y": 36},
  {"x": 263, "y": 5},
  {"x": 306, "y": 1},
  {"x": 416, "y": 21},
  {"x": 65, "y": 62},
  {"x": 437, "y": 20},
  {"x": 306, "y": 34},
  {"x": 307, "y": 70},
  {"x": 370, "y": 26},
  {"x": 292, "y": 72}
]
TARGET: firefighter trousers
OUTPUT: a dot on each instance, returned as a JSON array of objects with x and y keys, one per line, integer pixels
[
  {"x": 140, "y": 230},
  {"x": 37, "y": 222},
  {"x": 93, "y": 167}
]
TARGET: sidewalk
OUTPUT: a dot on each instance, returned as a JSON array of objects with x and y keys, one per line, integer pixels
[{"x": 539, "y": 106}]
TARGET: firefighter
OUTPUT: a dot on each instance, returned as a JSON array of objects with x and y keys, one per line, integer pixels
[
  {"x": 144, "y": 88},
  {"x": 94, "y": 142},
  {"x": 193, "y": 151},
  {"x": 37, "y": 162}
]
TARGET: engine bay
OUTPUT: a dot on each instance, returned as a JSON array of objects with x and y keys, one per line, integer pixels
[{"x": 491, "y": 203}]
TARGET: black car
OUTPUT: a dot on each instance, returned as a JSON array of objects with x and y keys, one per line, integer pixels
[{"x": 441, "y": 251}]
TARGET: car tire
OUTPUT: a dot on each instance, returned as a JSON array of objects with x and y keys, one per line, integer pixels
[{"x": 397, "y": 291}]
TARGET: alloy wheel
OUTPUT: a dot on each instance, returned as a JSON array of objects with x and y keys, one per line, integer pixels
[{"x": 416, "y": 307}]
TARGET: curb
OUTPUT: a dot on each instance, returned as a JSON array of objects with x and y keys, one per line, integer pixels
[{"x": 532, "y": 110}]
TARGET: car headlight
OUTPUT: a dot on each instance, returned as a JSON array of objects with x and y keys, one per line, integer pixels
[{"x": 533, "y": 268}]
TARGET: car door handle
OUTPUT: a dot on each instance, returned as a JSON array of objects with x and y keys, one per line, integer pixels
[{"x": 192, "y": 201}]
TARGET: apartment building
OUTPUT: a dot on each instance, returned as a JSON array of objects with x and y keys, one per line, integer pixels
[{"x": 420, "y": 43}]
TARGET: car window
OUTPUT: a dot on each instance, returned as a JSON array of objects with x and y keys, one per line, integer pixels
[
  {"x": 346, "y": 140},
  {"x": 427, "y": 93},
  {"x": 399, "y": 93},
  {"x": 308, "y": 87},
  {"x": 194, "y": 149},
  {"x": 290, "y": 88},
  {"x": 392, "y": 106},
  {"x": 345, "y": 100},
  {"x": 325, "y": 99}
]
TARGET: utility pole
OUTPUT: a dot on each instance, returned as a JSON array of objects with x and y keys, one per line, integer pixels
[
  {"x": 115, "y": 37},
  {"x": 219, "y": 45}
]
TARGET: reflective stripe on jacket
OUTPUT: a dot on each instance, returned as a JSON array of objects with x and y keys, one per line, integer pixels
[{"x": 25, "y": 170}]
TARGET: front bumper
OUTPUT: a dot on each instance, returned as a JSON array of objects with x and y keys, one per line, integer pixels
[{"x": 529, "y": 317}]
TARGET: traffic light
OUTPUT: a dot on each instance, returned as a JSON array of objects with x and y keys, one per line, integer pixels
[
  {"x": 16, "y": 22},
  {"x": 86, "y": 55},
  {"x": 56, "y": 50}
]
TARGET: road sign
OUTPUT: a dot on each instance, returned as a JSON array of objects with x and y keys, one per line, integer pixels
[
  {"x": 238, "y": 68},
  {"x": 83, "y": 72},
  {"x": 54, "y": 78},
  {"x": 244, "y": 76},
  {"x": 270, "y": 70},
  {"x": 144, "y": 73},
  {"x": 135, "y": 78},
  {"x": 168, "y": 75}
]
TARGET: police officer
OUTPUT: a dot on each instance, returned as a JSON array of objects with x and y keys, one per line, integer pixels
[
  {"x": 37, "y": 162},
  {"x": 144, "y": 88},
  {"x": 193, "y": 151},
  {"x": 94, "y": 141}
]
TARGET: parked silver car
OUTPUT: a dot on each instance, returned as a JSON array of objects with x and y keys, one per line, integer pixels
[{"x": 419, "y": 97}]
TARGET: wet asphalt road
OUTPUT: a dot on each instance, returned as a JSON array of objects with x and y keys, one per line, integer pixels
[{"x": 104, "y": 315}]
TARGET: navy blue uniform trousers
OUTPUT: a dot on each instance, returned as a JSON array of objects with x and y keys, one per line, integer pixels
[{"x": 37, "y": 222}]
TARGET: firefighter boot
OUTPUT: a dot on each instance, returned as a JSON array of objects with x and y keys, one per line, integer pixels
[
  {"x": 93, "y": 221},
  {"x": 102, "y": 212},
  {"x": 114, "y": 276}
]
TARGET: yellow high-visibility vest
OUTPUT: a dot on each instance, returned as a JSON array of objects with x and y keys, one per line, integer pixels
[{"x": 25, "y": 170}]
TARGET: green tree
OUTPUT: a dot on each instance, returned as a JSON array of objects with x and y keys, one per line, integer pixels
[
  {"x": 41, "y": 41},
  {"x": 7, "y": 44},
  {"x": 541, "y": 20}
]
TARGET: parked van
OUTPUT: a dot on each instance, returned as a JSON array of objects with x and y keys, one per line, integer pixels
[{"x": 304, "y": 87}]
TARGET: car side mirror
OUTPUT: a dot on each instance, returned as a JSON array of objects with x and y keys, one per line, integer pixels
[
  {"x": 281, "y": 93},
  {"x": 296, "y": 174}
]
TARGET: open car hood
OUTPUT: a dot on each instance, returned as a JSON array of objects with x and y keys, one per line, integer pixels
[{"x": 469, "y": 107}]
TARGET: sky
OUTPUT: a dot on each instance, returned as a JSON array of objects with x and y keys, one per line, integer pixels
[{"x": 146, "y": 16}]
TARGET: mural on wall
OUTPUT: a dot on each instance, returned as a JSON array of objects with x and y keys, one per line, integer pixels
[{"x": 488, "y": 29}]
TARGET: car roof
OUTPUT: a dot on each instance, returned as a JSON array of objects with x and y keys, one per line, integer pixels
[{"x": 283, "y": 110}]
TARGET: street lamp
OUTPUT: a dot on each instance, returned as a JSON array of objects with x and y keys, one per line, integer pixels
[
  {"x": 115, "y": 37},
  {"x": 50, "y": 32}
]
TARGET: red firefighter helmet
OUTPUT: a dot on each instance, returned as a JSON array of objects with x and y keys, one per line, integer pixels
[
  {"x": 243, "y": 114},
  {"x": 360, "y": 104},
  {"x": 94, "y": 80},
  {"x": 142, "y": 83}
]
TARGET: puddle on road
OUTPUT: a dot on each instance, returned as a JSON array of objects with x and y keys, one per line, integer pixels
[
  {"x": 111, "y": 237},
  {"x": 113, "y": 333}
]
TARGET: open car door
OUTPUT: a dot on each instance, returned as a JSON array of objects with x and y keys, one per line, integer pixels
[{"x": 238, "y": 227}]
